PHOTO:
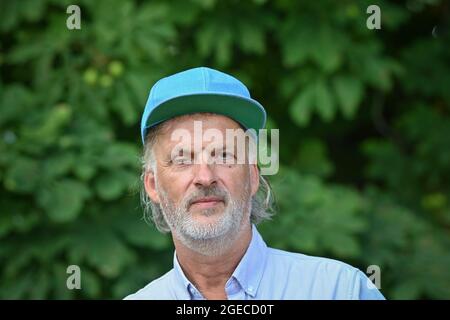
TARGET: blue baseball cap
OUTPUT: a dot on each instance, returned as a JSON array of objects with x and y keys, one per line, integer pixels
[{"x": 201, "y": 90}]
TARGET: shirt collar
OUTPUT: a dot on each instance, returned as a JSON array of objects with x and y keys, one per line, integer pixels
[
  {"x": 249, "y": 271},
  {"x": 180, "y": 277}
]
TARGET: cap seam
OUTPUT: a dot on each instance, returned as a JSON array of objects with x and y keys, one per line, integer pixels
[{"x": 204, "y": 78}]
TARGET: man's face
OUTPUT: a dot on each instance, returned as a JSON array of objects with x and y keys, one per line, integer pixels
[{"x": 203, "y": 192}]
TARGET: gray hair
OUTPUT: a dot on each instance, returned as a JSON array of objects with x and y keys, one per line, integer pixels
[{"x": 262, "y": 207}]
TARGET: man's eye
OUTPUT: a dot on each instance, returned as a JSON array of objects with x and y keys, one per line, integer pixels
[
  {"x": 182, "y": 160},
  {"x": 227, "y": 157}
]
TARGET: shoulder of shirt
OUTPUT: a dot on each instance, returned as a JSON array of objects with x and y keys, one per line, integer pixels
[
  {"x": 155, "y": 290},
  {"x": 303, "y": 260},
  {"x": 330, "y": 271}
]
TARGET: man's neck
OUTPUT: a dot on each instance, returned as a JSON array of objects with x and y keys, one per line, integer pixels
[{"x": 209, "y": 274}]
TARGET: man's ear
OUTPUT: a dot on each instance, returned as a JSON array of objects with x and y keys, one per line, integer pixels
[
  {"x": 150, "y": 188},
  {"x": 254, "y": 178}
]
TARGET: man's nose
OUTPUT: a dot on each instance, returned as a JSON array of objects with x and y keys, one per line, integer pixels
[{"x": 204, "y": 174}]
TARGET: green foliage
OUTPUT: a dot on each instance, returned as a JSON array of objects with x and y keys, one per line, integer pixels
[
  {"x": 320, "y": 219},
  {"x": 364, "y": 124}
]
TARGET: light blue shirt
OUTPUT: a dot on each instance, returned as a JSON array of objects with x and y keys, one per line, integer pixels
[{"x": 271, "y": 274}]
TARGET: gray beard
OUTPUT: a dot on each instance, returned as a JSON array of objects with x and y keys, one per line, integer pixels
[{"x": 211, "y": 239}]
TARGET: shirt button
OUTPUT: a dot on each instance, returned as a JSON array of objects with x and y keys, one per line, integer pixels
[{"x": 250, "y": 288}]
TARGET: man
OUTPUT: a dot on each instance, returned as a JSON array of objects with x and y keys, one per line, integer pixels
[{"x": 211, "y": 203}]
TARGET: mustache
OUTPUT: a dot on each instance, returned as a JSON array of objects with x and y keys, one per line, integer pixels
[{"x": 212, "y": 191}]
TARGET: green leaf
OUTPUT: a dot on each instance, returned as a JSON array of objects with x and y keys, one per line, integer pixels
[
  {"x": 326, "y": 49},
  {"x": 312, "y": 158},
  {"x": 138, "y": 232},
  {"x": 111, "y": 185},
  {"x": 324, "y": 101},
  {"x": 101, "y": 249},
  {"x": 91, "y": 283},
  {"x": 251, "y": 38},
  {"x": 23, "y": 175},
  {"x": 297, "y": 39},
  {"x": 123, "y": 105},
  {"x": 406, "y": 291},
  {"x": 349, "y": 93},
  {"x": 377, "y": 72},
  {"x": 48, "y": 130},
  {"x": 58, "y": 165},
  {"x": 322, "y": 217},
  {"x": 63, "y": 200},
  {"x": 121, "y": 154},
  {"x": 302, "y": 106}
]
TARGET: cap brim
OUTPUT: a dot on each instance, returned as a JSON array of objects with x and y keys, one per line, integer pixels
[{"x": 248, "y": 112}]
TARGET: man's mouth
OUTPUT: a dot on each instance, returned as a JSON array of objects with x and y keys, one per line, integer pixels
[{"x": 206, "y": 202}]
